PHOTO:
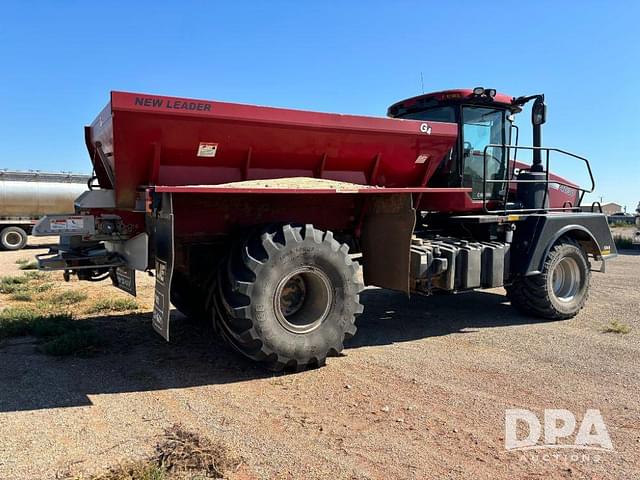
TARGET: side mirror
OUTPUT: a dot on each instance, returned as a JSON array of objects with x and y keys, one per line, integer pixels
[{"x": 539, "y": 112}]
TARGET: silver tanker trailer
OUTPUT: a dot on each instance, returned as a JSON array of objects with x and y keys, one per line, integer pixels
[{"x": 27, "y": 196}]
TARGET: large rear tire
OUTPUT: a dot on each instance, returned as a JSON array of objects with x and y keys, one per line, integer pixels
[
  {"x": 288, "y": 297},
  {"x": 561, "y": 290},
  {"x": 13, "y": 238}
]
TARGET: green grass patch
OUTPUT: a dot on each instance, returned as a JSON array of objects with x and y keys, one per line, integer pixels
[
  {"x": 32, "y": 265},
  {"x": 43, "y": 287},
  {"x": 22, "y": 296},
  {"x": 113, "y": 305},
  {"x": 81, "y": 341},
  {"x": 623, "y": 242},
  {"x": 55, "y": 325},
  {"x": 35, "y": 275},
  {"x": 620, "y": 225},
  {"x": 16, "y": 283},
  {"x": 61, "y": 334},
  {"x": 18, "y": 321},
  {"x": 617, "y": 327},
  {"x": 13, "y": 283},
  {"x": 70, "y": 297},
  {"x": 27, "y": 264}
]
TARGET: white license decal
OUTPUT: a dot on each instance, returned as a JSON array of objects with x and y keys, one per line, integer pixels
[{"x": 207, "y": 149}]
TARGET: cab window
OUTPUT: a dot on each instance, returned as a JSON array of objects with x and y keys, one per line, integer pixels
[
  {"x": 481, "y": 127},
  {"x": 436, "y": 114}
]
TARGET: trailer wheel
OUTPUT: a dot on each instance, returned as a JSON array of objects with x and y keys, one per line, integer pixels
[
  {"x": 188, "y": 298},
  {"x": 288, "y": 297},
  {"x": 561, "y": 290},
  {"x": 13, "y": 238}
]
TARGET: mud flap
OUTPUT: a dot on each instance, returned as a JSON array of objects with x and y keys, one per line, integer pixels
[
  {"x": 124, "y": 278},
  {"x": 164, "y": 253},
  {"x": 386, "y": 241}
]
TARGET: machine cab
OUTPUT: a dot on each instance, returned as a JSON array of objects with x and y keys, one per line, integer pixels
[{"x": 484, "y": 119}]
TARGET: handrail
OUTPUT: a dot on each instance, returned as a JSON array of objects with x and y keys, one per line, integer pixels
[
  {"x": 593, "y": 206},
  {"x": 509, "y": 180}
]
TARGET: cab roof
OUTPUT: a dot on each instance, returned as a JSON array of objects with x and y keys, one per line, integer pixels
[{"x": 454, "y": 97}]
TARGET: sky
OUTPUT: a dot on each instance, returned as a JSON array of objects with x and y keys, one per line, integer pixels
[{"x": 59, "y": 61}]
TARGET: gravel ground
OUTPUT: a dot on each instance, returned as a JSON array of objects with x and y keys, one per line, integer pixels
[{"x": 419, "y": 393}]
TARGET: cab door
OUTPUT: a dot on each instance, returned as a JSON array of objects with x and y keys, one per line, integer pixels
[{"x": 483, "y": 126}]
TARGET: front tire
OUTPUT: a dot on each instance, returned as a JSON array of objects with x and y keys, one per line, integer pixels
[
  {"x": 561, "y": 290},
  {"x": 288, "y": 297}
]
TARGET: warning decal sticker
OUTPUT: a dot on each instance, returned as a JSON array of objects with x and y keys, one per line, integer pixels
[{"x": 69, "y": 223}]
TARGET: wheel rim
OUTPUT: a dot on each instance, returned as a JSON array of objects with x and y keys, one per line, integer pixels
[
  {"x": 566, "y": 279},
  {"x": 303, "y": 299},
  {"x": 12, "y": 239}
]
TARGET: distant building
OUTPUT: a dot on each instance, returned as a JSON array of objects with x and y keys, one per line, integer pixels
[
  {"x": 607, "y": 208},
  {"x": 611, "y": 208}
]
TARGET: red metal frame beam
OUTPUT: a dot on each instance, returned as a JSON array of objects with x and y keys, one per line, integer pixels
[{"x": 279, "y": 191}]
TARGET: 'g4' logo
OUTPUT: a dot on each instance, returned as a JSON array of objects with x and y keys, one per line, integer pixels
[{"x": 425, "y": 128}]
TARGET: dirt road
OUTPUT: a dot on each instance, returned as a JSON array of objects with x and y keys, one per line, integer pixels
[{"x": 420, "y": 392}]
